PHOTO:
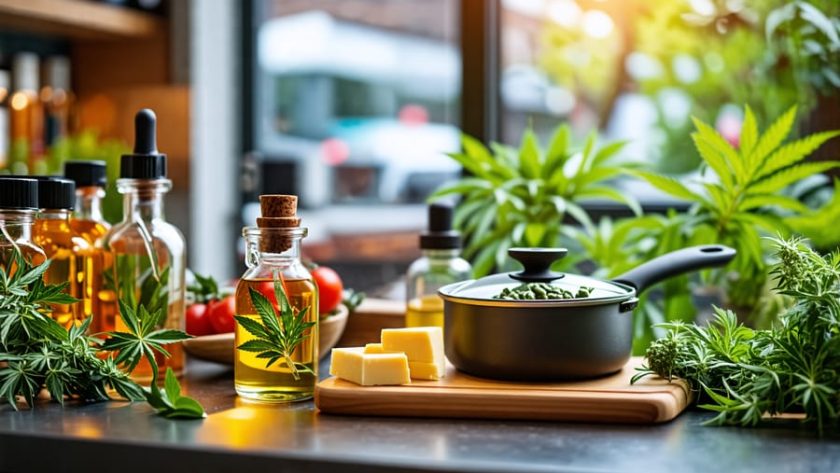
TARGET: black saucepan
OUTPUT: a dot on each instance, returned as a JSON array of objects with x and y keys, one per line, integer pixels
[{"x": 560, "y": 338}]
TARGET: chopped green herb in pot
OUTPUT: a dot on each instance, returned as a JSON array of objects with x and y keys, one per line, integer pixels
[
  {"x": 541, "y": 291},
  {"x": 745, "y": 374}
]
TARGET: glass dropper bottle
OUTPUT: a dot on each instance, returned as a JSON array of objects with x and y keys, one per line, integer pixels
[
  {"x": 441, "y": 264},
  {"x": 144, "y": 245}
]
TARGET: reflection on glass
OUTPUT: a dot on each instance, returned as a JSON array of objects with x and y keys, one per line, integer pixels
[{"x": 360, "y": 96}]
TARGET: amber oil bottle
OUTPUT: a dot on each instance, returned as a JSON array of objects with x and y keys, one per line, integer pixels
[{"x": 73, "y": 258}]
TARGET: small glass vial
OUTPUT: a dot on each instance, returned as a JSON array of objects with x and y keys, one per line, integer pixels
[
  {"x": 90, "y": 179},
  {"x": 18, "y": 206},
  {"x": 74, "y": 260},
  {"x": 441, "y": 264},
  {"x": 144, "y": 245},
  {"x": 267, "y": 262}
]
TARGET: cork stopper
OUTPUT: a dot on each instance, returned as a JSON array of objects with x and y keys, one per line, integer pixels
[{"x": 278, "y": 212}]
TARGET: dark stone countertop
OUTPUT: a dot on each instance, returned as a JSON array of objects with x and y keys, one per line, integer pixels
[{"x": 243, "y": 437}]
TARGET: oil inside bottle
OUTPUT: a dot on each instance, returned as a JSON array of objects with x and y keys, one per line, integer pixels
[
  {"x": 73, "y": 261},
  {"x": 424, "y": 311},
  {"x": 277, "y": 383}
]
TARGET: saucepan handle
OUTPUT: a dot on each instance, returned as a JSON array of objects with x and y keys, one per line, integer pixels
[{"x": 677, "y": 262}]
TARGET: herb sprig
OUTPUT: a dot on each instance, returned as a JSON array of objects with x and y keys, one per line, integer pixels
[
  {"x": 745, "y": 375},
  {"x": 276, "y": 339},
  {"x": 39, "y": 352}
]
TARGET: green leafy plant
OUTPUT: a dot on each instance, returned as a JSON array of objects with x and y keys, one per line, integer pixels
[
  {"x": 276, "y": 339},
  {"x": 39, "y": 352},
  {"x": 741, "y": 197},
  {"x": 520, "y": 197},
  {"x": 745, "y": 374}
]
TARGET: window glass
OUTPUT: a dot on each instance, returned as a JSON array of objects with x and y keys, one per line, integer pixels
[
  {"x": 640, "y": 69},
  {"x": 356, "y": 99}
]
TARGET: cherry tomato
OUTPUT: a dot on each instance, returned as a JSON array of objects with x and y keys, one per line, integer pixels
[
  {"x": 266, "y": 288},
  {"x": 197, "y": 321},
  {"x": 220, "y": 313},
  {"x": 329, "y": 288}
]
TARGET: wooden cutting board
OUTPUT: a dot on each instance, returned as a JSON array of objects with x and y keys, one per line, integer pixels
[{"x": 610, "y": 399}]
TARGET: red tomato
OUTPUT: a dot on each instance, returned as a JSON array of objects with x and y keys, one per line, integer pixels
[
  {"x": 329, "y": 288},
  {"x": 266, "y": 288},
  {"x": 221, "y": 314},
  {"x": 197, "y": 321}
]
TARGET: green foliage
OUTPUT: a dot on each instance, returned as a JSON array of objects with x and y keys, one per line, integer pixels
[
  {"x": 39, "y": 352},
  {"x": 170, "y": 403},
  {"x": 742, "y": 198},
  {"x": 745, "y": 374},
  {"x": 276, "y": 339},
  {"x": 520, "y": 197}
]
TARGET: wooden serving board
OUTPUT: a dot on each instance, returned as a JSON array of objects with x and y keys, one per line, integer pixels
[{"x": 611, "y": 399}]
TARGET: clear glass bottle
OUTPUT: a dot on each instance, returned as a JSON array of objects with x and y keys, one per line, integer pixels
[
  {"x": 74, "y": 260},
  {"x": 277, "y": 383},
  {"x": 90, "y": 179},
  {"x": 441, "y": 264},
  {"x": 144, "y": 245},
  {"x": 18, "y": 206},
  {"x": 87, "y": 221}
]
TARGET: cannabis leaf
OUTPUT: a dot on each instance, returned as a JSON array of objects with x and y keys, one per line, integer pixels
[
  {"x": 143, "y": 338},
  {"x": 743, "y": 200},
  {"x": 276, "y": 339}
]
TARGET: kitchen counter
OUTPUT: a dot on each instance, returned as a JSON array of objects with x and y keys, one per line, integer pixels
[{"x": 242, "y": 437}]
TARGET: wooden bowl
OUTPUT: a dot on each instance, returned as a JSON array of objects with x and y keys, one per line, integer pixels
[{"x": 219, "y": 347}]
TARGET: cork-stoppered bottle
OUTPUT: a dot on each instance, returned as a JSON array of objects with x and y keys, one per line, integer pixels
[
  {"x": 144, "y": 245},
  {"x": 18, "y": 207},
  {"x": 273, "y": 257},
  {"x": 73, "y": 260}
]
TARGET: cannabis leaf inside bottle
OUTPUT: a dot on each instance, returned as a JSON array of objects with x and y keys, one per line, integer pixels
[{"x": 276, "y": 340}]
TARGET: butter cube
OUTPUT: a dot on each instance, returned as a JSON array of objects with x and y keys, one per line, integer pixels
[
  {"x": 426, "y": 371},
  {"x": 374, "y": 348},
  {"x": 369, "y": 369},
  {"x": 420, "y": 344}
]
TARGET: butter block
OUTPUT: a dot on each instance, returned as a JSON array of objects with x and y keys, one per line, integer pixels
[
  {"x": 369, "y": 369},
  {"x": 425, "y": 371},
  {"x": 420, "y": 344},
  {"x": 374, "y": 348}
]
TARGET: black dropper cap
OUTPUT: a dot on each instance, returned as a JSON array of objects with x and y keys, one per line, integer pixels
[
  {"x": 145, "y": 162},
  {"x": 56, "y": 193},
  {"x": 440, "y": 235},
  {"x": 86, "y": 173},
  {"x": 19, "y": 193}
]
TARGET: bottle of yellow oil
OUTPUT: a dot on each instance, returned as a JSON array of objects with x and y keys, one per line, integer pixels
[
  {"x": 286, "y": 305},
  {"x": 73, "y": 259},
  {"x": 441, "y": 264}
]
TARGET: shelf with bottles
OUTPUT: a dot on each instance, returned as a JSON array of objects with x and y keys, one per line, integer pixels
[{"x": 79, "y": 20}]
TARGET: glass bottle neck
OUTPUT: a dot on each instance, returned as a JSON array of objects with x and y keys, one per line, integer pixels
[
  {"x": 89, "y": 203},
  {"x": 16, "y": 225},
  {"x": 441, "y": 254},
  {"x": 54, "y": 214},
  {"x": 284, "y": 257},
  {"x": 143, "y": 199}
]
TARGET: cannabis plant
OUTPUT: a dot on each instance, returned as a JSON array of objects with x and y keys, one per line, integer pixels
[
  {"x": 741, "y": 197},
  {"x": 520, "y": 197}
]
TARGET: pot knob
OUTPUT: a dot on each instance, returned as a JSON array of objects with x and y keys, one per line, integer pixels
[{"x": 537, "y": 263}]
